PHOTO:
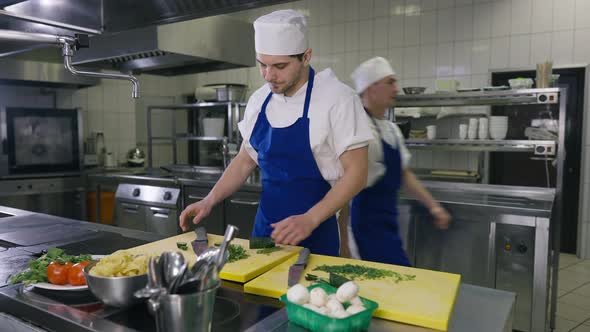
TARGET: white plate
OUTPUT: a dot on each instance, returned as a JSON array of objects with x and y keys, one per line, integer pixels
[
  {"x": 496, "y": 88},
  {"x": 46, "y": 285}
]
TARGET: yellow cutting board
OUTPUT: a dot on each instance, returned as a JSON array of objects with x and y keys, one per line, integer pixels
[
  {"x": 426, "y": 301},
  {"x": 239, "y": 271}
]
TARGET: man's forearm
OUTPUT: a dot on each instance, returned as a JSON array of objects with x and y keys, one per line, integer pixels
[
  {"x": 351, "y": 183},
  {"x": 232, "y": 179},
  {"x": 413, "y": 187}
]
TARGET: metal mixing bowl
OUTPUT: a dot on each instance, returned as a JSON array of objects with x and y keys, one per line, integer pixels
[
  {"x": 414, "y": 90},
  {"x": 115, "y": 291}
]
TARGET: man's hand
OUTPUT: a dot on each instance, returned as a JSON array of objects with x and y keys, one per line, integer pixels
[
  {"x": 199, "y": 210},
  {"x": 293, "y": 229},
  {"x": 441, "y": 217}
]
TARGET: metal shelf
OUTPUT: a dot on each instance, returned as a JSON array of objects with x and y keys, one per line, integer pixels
[
  {"x": 503, "y": 97},
  {"x": 200, "y": 138},
  {"x": 477, "y": 145},
  {"x": 197, "y": 105}
]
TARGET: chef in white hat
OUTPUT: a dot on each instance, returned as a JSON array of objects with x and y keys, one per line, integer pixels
[
  {"x": 374, "y": 232},
  {"x": 308, "y": 134}
]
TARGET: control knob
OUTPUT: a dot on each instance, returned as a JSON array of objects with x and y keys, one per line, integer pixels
[
  {"x": 135, "y": 192},
  {"x": 167, "y": 196}
]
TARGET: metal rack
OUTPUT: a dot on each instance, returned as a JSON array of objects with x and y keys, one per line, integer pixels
[
  {"x": 232, "y": 110},
  {"x": 550, "y": 97}
]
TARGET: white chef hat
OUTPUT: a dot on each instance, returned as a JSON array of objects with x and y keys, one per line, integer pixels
[
  {"x": 282, "y": 32},
  {"x": 370, "y": 72}
]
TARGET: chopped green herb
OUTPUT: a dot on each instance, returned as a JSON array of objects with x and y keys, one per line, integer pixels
[
  {"x": 182, "y": 245},
  {"x": 359, "y": 272},
  {"x": 268, "y": 251},
  {"x": 236, "y": 252},
  {"x": 261, "y": 242}
]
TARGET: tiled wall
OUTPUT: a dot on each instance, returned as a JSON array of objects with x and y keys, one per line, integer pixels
[
  {"x": 423, "y": 39},
  {"x": 21, "y": 96}
]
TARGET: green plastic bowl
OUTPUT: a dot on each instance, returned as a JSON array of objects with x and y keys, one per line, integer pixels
[{"x": 317, "y": 322}]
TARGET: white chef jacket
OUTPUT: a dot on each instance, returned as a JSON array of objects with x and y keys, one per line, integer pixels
[
  {"x": 393, "y": 136},
  {"x": 337, "y": 120}
]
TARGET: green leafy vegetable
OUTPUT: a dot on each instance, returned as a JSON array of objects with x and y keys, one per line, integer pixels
[
  {"x": 268, "y": 251},
  {"x": 236, "y": 252},
  {"x": 182, "y": 245},
  {"x": 37, "y": 271},
  {"x": 360, "y": 272},
  {"x": 261, "y": 242}
]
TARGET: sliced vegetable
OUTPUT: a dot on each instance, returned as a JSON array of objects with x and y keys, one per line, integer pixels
[
  {"x": 268, "y": 251},
  {"x": 261, "y": 242},
  {"x": 37, "y": 271},
  {"x": 76, "y": 274},
  {"x": 360, "y": 272},
  {"x": 57, "y": 273},
  {"x": 182, "y": 245}
]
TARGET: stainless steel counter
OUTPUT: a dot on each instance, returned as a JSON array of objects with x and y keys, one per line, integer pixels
[{"x": 489, "y": 309}]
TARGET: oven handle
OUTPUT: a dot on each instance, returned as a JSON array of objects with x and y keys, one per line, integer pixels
[
  {"x": 131, "y": 208},
  {"x": 199, "y": 198},
  {"x": 160, "y": 212},
  {"x": 241, "y": 202}
]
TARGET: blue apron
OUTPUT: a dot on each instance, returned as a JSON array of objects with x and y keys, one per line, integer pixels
[
  {"x": 374, "y": 213},
  {"x": 291, "y": 180}
]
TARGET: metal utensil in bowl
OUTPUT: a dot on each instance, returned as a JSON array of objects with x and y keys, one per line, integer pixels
[
  {"x": 115, "y": 291},
  {"x": 230, "y": 233},
  {"x": 154, "y": 285},
  {"x": 414, "y": 90}
]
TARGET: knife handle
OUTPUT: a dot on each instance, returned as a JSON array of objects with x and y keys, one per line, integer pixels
[
  {"x": 303, "y": 255},
  {"x": 201, "y": 233}
]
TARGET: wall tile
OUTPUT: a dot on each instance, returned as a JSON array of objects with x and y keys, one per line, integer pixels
[
  {"x": 446, "y": 31},
  {"x": 582, "y": 12},
  {"x": 339, "y": 36},
  {"x": 501, "y": 18},
  {"x": 540, "y": 47},
  {"x": 480, "y": 80},
  {"x": 381, "y": 8},
  {"x": 562, "y": 47},
  {"x": 582, "y": 46},
  {"x": 462, "y": 58},
  {"x": 352, "y": 37},
  {"x": 326, "y": 39},
  {"x": 482, "y": 21},
  {"x": 480, "y": 56},
  {"x": 542, "y": 18},
  {"x": 396, "y": 59},
  {"x": 563, "y": 14},
  {"x": 428, "y": 5},
  {"x": 411, "y": 30},
  {"x": 444, "y": 60},
  {"x": 520, "y": 46},
  {"x": 459, "y": 3},
  {"x": 352, "y": 10},
  {"x": 428, "y": 29},
  {"x": 410, "y": 62},
  {"x": 521, "y": 16},
  {"x": 464, "y": 23},
  {"x": 351, "y": 61},
  {"x": 337, "y": 10},
  {"x": 366, "y": 35},
  {"x": 441, "y": 4},
  {"x": 380, "y": 35},
  {"x": 500, "y": 53},
  {"x": 427, "y": 61},
  {"x": 396, "y": 31}
]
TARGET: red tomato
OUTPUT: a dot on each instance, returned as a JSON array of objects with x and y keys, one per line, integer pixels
[
  {"x": 76, "y": 275},
  {"x": 57, "y": 273}
]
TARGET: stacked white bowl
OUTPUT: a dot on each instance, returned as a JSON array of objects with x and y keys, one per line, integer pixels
[
  {"x": 483, "y": 128},
  {"x": 472, "y": 128},
  {"x": 498, "y": 127}
]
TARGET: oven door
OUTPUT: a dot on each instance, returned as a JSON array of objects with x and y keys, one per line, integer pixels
[{"x": 38, "y": 142}]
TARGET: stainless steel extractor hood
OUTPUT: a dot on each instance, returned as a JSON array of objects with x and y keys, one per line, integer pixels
[{"x": 205, "y": 44}]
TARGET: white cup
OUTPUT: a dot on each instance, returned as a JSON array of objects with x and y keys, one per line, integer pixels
[
  {"x": 483, "y": 128},
  {"x": 462, "y": 131},
  {"x": 431, "y": 132}
]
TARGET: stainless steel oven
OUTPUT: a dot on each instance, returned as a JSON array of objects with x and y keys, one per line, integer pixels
[{"x": 40, "y": 142}]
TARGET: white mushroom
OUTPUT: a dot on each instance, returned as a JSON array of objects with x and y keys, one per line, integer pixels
[
  {"x": 332, "y": 297},
  {"x": 356, "y": 301},
  {"x": 347, "y": 291},
  {"x": 318, "y": 297},
  {"x": 339, "y": 314},
  {"x": 353, "y": 309},
  {"x": 334, "y": 305},
  {"x": 324, "y": 311},
  {"x": 298, "y": 294},
  {"x": 311, "y": 307}
]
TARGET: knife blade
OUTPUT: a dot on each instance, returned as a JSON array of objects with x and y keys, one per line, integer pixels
[
  {"x": 201, "y": 243},
  {"x": 296, "y": 269}
]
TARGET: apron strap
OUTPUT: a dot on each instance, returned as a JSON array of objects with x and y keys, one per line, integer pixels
[{"x": 308, "y": 92}]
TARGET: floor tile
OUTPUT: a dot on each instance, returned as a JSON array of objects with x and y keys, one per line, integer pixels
[
  {"x": 581, "y": 268},
  {"x": 583, "y": 290},
  {"x": 571, "y": 280},
  {"x": 566, "y": 260},
  {"x": 582, "y": 328},
  {"x": 571, "y": 312},
  {"x": 564, "y": 325},
  {"x": 580, "y": 301}
]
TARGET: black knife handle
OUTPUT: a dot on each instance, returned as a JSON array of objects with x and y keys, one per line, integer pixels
[
  {"x": 201, "y": 233},
  {"x": 303, "y": 255}
]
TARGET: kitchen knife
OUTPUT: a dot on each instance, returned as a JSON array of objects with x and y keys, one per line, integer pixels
[
  {"x": 201, "y": 243},
  {"x": 296, "y": 269}
]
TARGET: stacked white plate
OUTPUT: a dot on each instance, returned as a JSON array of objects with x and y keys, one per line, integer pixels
[{"x": 498, "y": 127}]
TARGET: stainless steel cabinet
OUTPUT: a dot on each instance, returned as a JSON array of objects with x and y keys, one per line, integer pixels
[
  {"x": 162, "y": 220},
  {"x": 240, "y": 211},
  {"x": 215, "y": 222},
  {"x": 128, "y": 215}
]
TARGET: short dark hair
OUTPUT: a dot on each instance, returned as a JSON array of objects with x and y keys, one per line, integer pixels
[{"x": 298, "y": 56}]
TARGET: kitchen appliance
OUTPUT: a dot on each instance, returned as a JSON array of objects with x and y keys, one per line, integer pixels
[
  {"x": 147, "y": 208},
  {"x": 135, "y": 158},
  {"x": 40, "y": 142},
  {"x": 229, "y": 92}
]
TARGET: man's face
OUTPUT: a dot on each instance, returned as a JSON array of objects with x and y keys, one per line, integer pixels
[
  {"x": 384, "y": 91},
  {"x": 282, "y": 72}
]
